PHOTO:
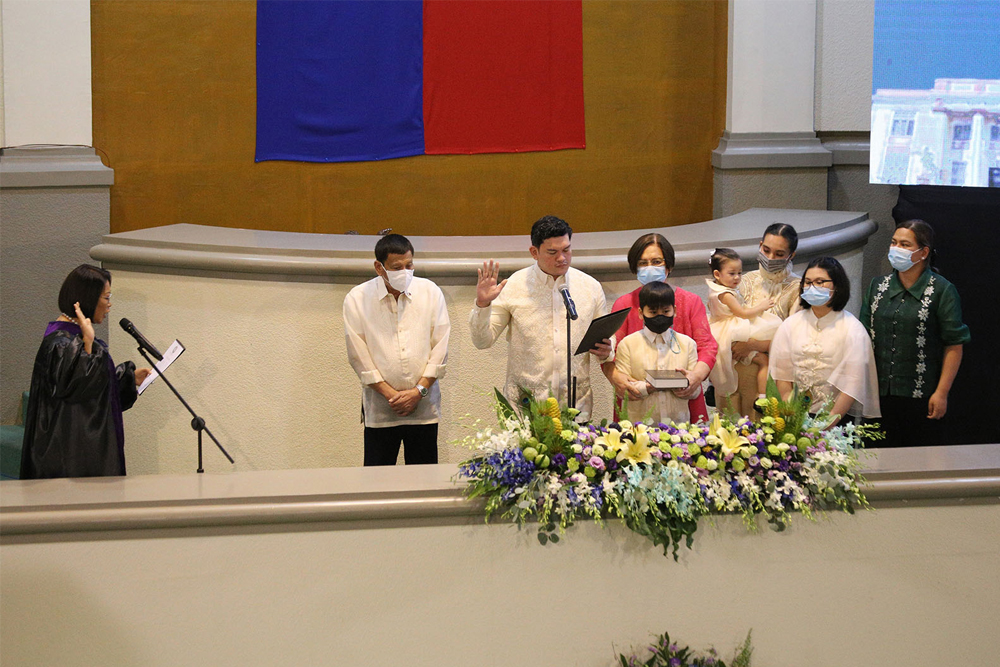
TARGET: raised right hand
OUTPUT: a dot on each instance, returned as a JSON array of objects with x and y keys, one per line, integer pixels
[
  {"x": 487, "y": 287},
  {"x": 86, "y": 328}
]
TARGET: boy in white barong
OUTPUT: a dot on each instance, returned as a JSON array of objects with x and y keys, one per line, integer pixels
[{"x": 656, "y": 347}]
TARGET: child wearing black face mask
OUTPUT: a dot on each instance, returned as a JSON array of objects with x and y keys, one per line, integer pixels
[{"x": 656, "y": 347}]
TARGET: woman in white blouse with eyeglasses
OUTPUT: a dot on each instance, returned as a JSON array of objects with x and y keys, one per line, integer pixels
[{"x": 824, "y": 349}]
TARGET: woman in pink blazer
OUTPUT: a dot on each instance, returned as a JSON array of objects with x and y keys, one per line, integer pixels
[{"x": 651, "y": 258}]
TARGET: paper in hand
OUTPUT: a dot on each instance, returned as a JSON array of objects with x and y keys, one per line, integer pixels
[{"x": 169, "y": 356}]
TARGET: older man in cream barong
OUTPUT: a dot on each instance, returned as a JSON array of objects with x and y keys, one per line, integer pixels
[{"x": 530, "y": 307}]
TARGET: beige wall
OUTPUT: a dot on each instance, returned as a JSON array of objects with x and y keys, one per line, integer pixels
[
  {"x": 266, "y": 366},
  {"x": 916, "y": 585}
]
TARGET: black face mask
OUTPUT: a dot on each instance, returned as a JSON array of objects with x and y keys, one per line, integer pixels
[{"x": 658, "y": 324}]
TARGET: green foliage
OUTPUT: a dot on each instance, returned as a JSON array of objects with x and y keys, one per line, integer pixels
[
  {"x": 663, "y": 652},
  {"x": 547, "y": 533},
  {"x": 504, "y": 408},
  {"x": 621, "y": 411},
  {"x": 784, "y": 417},
  {"x": 541, "y": 466},
  {"x": 744, "y": 652}
]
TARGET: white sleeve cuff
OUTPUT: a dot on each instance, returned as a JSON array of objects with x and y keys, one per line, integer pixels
[
  {"x": 370, "y": 377},
  {"x": 434, "y": 371}
]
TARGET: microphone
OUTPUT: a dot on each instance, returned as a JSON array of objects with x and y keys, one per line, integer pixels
[
  {"x": 568, "y": 300},
  {"x": 139, "y": 338}
]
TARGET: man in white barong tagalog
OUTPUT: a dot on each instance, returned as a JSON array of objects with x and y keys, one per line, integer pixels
[
  {"x": 531, "y": 308},
  {"x": 397, "y": 330}
]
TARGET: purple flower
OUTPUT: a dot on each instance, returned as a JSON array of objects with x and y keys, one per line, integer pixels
[
  {"x": 596, "y": 462},
  {"x": 673, "y": 649},
  {"x": 675, "y": 662},
  {"x": 559, "y": 460},
  {"x": 506, "y": 469}
]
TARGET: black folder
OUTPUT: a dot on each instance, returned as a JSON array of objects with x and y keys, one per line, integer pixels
[{"x": 601, "y": 328}]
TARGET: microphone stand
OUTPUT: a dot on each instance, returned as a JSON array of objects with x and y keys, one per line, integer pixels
[
  {"x": 197, "y": 423},
  {"x": 570, "y": 384}
]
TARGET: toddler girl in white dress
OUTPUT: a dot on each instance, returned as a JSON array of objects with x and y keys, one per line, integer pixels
[{"x": 731, "y": 321}]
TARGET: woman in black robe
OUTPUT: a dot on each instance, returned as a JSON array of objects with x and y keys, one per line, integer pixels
[{"x": 74, "y": 426}]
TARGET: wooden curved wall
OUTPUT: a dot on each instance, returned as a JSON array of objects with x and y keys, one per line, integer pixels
[{"x": 174, "y": 115}]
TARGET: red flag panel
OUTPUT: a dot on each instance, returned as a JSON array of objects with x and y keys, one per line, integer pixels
[{"x": 503, "y": 76}]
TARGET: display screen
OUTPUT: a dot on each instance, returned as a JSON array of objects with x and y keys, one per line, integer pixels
[{"x": 936, "y": 93}]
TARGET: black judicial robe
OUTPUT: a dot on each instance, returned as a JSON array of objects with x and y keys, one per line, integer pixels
[{"x": 74, "y": 426}]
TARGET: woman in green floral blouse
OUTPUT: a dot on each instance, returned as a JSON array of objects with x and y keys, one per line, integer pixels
[{"x": 914, "y": 317}]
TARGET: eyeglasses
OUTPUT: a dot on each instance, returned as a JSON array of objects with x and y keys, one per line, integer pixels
[
  {"x": 107, "y": 297},
  {"x": 818, "y": 283},
  {"x": 650, "y": 262}
]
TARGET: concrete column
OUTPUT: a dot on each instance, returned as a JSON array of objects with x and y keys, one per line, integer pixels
[
  {"x": 46, "y": 93},
  {"x": 769, "y": 154},
  {"x": 54, "y": 190}
]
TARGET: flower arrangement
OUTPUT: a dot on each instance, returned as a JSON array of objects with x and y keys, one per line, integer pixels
[
  {"x": 665, "y": 653},
  {"x": 660, "y": 479}
]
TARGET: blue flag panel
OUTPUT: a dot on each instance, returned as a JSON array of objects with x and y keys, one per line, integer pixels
[{"x": 339, "y": 81}]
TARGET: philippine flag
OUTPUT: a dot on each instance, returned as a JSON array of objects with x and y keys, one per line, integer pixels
[{"x": 350, "y": 80}]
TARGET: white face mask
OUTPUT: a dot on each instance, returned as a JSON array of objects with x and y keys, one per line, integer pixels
[
  {"x": 816, "y": 296},
  {"x": 648, "y": 274},
  {"x": 399, "y": 280}
]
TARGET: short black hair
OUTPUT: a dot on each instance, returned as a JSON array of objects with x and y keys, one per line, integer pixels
[
  {"x": 643, "y": 242},
  {"x": 84, "y": 284},
  {"x": 841, "y": 283},
  {"x": 392, "y": 244},
  {"x": 787, "y": 232},
  {"x": 721, "y": 256},
  {"x": 549, "y": 227},
  {"x": 656, "y": 295}
]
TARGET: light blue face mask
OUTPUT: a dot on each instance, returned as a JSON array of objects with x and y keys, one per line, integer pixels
[
  {"x": 651, "y": 274},
  {"x": 901, "y": 259},
  {"x": 816, "y": 296}
]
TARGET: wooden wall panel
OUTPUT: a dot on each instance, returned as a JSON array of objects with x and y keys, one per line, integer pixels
[{"x": 174, "y": 111}]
